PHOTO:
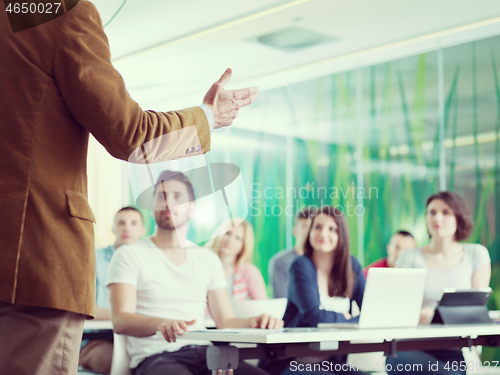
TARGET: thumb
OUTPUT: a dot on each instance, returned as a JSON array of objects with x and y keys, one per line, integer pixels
[
  {"x": 224, "y": 78},
  {"x": 191, "y": 322}
]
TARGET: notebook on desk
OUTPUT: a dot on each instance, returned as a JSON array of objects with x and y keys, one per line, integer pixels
[{"x": 392, "y": 298}]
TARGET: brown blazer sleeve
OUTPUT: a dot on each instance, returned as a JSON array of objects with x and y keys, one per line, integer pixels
[{"x": 95, "y": 92}]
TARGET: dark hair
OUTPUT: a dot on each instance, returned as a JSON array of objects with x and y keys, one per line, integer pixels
[
  {"x": 306, "y": 213},
  {"x": 465, "y": 224},
  {"x": 178, "y": 176},
  {"x": 342, "y": 278},
  {"x": 404, "y": 233},
  {"x": 130, "y": 208}
]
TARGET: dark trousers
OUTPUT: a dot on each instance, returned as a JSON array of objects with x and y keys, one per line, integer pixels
[{"x": 190, "y": 360}]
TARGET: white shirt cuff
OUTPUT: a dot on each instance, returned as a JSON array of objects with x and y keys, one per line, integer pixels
[{"x": 210, "y": 116}]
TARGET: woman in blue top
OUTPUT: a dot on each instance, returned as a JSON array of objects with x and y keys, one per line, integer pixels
[{"x": 322, "y": 283}]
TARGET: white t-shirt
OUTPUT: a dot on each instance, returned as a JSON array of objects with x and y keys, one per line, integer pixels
[
  {"x": 165, "y": 290},
  {"x": 336, "y": 304},
  {"x": 475, "y": 256}
]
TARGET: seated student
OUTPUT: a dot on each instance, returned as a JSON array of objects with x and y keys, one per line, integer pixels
[
  {"x": 128, "y": 227},
  {"x": 449, "y": 264},
  {"x": 164, "y": 283},
  {"x": 279, "y": 264},
  {"x": 399, "y": 242},
  {"x": 235, "y": 250},
  {"x": 324, "y": 281}
]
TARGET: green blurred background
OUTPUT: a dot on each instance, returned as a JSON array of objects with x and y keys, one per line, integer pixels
[{"x": 377, "y": 141}]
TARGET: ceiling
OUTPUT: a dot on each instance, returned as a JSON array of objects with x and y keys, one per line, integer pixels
[
  {"x": 170, "y": 52},
  {"x": 189, "y": 66}
]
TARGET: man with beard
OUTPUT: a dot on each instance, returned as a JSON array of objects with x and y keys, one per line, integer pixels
[{"x": 164, "y": 283}]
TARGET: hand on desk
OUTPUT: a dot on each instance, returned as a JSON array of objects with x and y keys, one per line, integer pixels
[
  {"x": 169, "y": 328},
  {"x": 225, "y": 104},
  {"x": 266, "y": 321},
  {"x": 426, "y": 315}
]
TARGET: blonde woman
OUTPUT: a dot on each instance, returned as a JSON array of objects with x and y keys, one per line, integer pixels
[{"x": 235, "y": 250}]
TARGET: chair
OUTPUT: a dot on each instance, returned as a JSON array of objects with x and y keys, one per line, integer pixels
[
  {"x": 249, "y": 308},
  {"x": 121, "y": 360}
]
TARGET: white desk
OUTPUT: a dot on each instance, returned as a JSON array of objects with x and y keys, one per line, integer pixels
[
  {"x": 301, "y": 335},
  {"x": 299, "y": 342},
  {"x": 296, "y": 342}
]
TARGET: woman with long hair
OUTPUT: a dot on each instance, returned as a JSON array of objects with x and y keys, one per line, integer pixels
[
  {"x": 327, "y": 278},
  {"x": 322, "y": 284},
  {"x": 235, "y": 250},
  {"x": 449, "y": 264}
]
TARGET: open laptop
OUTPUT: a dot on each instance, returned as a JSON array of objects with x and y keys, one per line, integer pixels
[{"x": 392, "y": 298}]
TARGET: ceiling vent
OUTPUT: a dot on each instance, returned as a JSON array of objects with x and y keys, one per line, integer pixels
[{"x": 293, "y": 39}]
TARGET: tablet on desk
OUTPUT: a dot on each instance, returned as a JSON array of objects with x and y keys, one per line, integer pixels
[
  {"x": 466, "y": 306},
  {"x": 465, "y": 297}
]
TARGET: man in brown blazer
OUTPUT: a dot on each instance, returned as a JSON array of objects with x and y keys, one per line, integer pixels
[{"x": 57, "y": 85}]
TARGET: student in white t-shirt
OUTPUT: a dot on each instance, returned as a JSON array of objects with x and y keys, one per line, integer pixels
[{"x": 164, "y": 283}]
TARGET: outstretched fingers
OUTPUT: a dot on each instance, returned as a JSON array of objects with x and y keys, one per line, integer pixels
[
  {"x": 244, "y": 93},
  {"x": 244, "y": 97},
  {"x": 225, "y": 104},
  {"x": 246, "y": 101},
  {"x": 224, "y": 78}
]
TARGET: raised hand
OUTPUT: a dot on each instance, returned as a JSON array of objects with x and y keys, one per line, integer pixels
[
  {"x": 225, "y": 104},
  {"x": 170, "y": 328}
]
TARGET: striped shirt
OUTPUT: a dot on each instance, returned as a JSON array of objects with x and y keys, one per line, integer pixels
[{"x": 247, "y": 282}]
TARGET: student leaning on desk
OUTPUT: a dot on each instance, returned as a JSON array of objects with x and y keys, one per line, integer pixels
[
  {"x": 164, "y": 283},
  {"x": 449, "y": 264},
  {"x": 323, "y": 282}
]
